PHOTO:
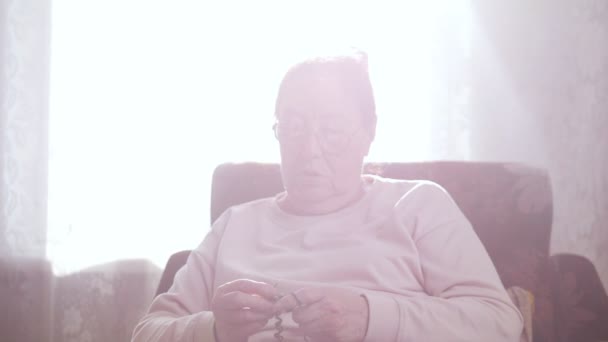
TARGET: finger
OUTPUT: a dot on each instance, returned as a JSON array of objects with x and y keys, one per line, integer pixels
[
  {"x": 302, "y": 297},
  {"x": 285, "y": 304},
  {"x": 241, "y": 316},
  {"x": 240, "y": 300},
  {"x": 310, "y": 295},
  {"x": 250, "y": 328},
  {"x": 249, "y": 286}
]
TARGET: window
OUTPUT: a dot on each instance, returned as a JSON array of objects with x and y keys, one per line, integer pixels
[{"x": 147, "y": 97}]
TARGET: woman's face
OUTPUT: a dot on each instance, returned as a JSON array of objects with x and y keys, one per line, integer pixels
[{"x": 322, "y": 138}]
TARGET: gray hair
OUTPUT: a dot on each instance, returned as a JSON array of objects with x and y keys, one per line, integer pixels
[{"x": 351, "y": 70}]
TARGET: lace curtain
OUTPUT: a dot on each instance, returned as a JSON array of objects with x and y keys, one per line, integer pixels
[
  {"x": 539, "y": 96},
  {"x": 25, "y": 279},
  {"x": 24, "y": 79}
]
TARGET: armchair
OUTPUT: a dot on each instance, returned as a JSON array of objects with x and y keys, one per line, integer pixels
[{"x": 510, "y": 208}]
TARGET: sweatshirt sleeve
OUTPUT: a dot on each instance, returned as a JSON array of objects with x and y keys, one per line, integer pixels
[
  {"x": 183, "y": 313},
  {"x": 465, "y": 299}
]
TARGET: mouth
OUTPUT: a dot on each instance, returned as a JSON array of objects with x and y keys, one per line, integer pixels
[
  {"x": 310, "y": 174},
  {"x": 310, "y": 178}
]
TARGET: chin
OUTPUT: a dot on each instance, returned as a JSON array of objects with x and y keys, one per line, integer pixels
[{"x": 309, "y": 192}]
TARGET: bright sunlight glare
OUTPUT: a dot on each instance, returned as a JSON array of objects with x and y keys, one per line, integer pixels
[{"x": 147, "y": 97}]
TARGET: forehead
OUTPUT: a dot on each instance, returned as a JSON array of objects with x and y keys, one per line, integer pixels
[{"x": 315, "y": 96}]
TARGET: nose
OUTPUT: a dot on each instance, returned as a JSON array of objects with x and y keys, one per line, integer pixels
[{"x": 311, "y": 146}]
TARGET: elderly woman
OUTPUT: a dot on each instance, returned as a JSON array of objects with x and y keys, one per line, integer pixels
[{"x": 338, "y": 256}]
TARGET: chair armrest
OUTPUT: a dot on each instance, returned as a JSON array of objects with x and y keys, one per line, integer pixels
[
  {"x": 581, "y": 303},
  {"x": 176, "y": 261},
  {"x": 25, "y": 298}
]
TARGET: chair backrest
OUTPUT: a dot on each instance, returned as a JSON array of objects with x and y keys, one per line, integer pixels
[
  {"x": 510, "y": 208},
  {"x": 508, "y": 204}
]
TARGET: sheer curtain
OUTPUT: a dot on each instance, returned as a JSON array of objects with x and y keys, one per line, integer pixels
[
  {"x": 25, "y": 277},
  {"x": 24, "y": 74},
  {"x": 147, "y": 98}
]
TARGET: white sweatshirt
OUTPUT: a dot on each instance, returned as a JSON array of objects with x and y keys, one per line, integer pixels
[{"x": 405, "y": 245}]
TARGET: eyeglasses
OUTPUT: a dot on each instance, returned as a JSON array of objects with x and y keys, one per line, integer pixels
[{"x": 331, "y": 139}]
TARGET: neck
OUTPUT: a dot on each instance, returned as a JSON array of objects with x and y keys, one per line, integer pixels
[{"x": 299, "y": 206}]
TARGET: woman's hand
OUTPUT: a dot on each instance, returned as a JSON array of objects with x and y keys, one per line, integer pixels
[
  {"x": 328, "y": 314},
  {"x": 241, "y": 308}
]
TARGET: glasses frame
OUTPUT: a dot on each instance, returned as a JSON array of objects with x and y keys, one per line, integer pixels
[{"x": 323, "y": 144}]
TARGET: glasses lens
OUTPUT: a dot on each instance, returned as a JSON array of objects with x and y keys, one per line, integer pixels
[{"x": 330, "y": 139}]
